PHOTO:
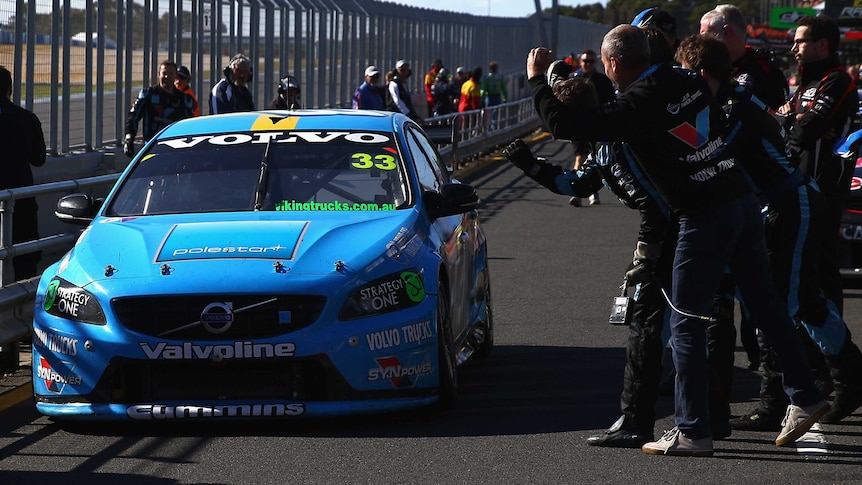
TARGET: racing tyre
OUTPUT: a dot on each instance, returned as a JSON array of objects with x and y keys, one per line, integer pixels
[{"x": 447, "y": 370}]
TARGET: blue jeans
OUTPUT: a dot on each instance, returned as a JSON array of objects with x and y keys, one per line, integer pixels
[{"x": 727, "y": 236}]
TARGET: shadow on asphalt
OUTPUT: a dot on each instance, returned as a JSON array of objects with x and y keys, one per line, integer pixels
[{"x": 518, "y": 390}]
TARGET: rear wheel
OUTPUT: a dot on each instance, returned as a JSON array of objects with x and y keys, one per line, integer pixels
[
  {"x": 447, "y": 370},
  {"x": 487, "y": 344}
]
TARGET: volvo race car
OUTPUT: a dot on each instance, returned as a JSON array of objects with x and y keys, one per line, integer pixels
[{"x": 264, "y": 265}]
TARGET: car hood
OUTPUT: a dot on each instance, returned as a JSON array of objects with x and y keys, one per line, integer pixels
[{"x": 146, "y": 247}]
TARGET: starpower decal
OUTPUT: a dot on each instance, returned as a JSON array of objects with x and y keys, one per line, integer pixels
[
  {"x": 401, "y": 375},
  {"x": 54, "y": 381},
  {"x": 159, "y": 411},
  {"x": 235, "y": 350}
]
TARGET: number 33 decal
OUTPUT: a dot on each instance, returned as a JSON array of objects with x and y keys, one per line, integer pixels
[{"x": 365, "y": 161}]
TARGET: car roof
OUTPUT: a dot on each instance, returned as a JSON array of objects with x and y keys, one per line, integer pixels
[{"x": 280, "y": 120}]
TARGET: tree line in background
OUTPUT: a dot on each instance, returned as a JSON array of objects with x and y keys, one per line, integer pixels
[
  {"x": 78, "y": 17},
  {"x": 687, "y": 14}
]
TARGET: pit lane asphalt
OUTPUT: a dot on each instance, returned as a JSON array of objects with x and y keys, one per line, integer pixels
[{"x": 523, "y": 415}]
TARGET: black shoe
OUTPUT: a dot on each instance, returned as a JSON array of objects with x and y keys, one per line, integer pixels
[
  {"x": 842, "y": 406},
  {"x": 558, "y": 71},
  {"x": 720, "y": 430},
  {"x": 758, "y": 420},
  {"x": 619, "y": 436}
]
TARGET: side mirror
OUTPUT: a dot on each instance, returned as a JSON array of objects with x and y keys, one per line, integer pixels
[
  {"x": 78, "y": 209},
  {"x": 450, "y": 200}
]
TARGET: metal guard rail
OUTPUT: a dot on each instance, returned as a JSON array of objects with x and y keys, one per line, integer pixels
[{"x": 474, "y": 132}]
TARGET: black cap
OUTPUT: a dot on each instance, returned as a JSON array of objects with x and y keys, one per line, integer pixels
[
  {"x": 183, "y": 72},
  {"x": 656, "y": 18}
]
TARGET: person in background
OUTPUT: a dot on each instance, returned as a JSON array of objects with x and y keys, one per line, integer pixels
[
  {"x": 471, "y": 93},
  {"x": 288, "y": 96},
  {"x": 23, "y": 145},
  {"x": 606, "y": 93},
  {"x": 443, "y": 91},
  {"x": 400, "y": 99},
  {"x": 182, "y": 84},
  {"x": 369, "y": 94},
  {"x": 430, "y": 77},
  {"x": 461, "y": 76},
  {"x": 231, "y": 93},
  {"x": 493, "y": 86},
  {"x": 157, "y": 107}
]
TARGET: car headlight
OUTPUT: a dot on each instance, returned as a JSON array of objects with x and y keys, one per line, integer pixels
[
  {"x": 391, "y": 293},
  {"x": 65, "y": 300}
]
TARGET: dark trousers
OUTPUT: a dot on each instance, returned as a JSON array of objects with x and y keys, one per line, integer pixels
[{"x": 727, "y": 236}]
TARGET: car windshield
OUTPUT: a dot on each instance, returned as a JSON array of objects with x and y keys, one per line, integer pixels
[{"x": 269, "y": 171}]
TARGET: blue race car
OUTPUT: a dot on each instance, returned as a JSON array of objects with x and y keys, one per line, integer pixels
[{"x": 263, "y": 265}]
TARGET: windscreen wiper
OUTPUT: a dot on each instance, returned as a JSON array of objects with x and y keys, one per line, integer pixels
[{"x": 263, "y": 181}]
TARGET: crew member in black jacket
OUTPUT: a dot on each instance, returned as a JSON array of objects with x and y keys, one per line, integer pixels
[
  {"x": 671, "y": 116},
  {"x": 23, "y": 145}
]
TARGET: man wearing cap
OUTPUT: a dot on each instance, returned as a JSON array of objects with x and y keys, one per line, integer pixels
[
  {"x": 399, "y": 99},
  {"x": 461, "y": 76},
  {"x": 288, "y": 94},
  {"x": 182, "y": 84},
  {"x": 663, "y": 21},
  {"x": 369, "y": 94}
]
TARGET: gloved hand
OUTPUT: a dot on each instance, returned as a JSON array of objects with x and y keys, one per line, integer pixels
[
  {"x": 640, "y": 271},
  {"x": 520, "y": 155},
  {"x": 129, "y": 145}
]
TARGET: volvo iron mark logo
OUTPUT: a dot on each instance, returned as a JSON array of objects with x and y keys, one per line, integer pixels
[{"x": 217, "y": 317}]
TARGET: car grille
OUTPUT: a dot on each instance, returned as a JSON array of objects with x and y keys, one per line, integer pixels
[
  {"x": 254, "y": 316},
  {"x": 129, "y": 381}
]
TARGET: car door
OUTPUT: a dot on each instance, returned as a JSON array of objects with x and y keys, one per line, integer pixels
[{"x": 458, "y": 233}]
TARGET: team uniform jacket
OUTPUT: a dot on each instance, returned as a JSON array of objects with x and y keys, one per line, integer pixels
[
  {"x": 670, "y": 122},
  {"x": 157, "y": 108},
  {"x": 827, "y": 99},
  {"x": 227, "y": 97},
  {"x": 757, "y": 72}
]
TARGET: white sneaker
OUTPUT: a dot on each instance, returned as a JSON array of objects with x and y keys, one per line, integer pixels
[
  {"x": 677, "y": 444},
  {"x": 798, "y": 420},
  {"x": 594, "y": 199}
]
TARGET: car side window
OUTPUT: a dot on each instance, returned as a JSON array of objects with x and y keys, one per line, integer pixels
[
  {"x": 427, "y": 175},
  {"x": 437, "y": 165}
]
